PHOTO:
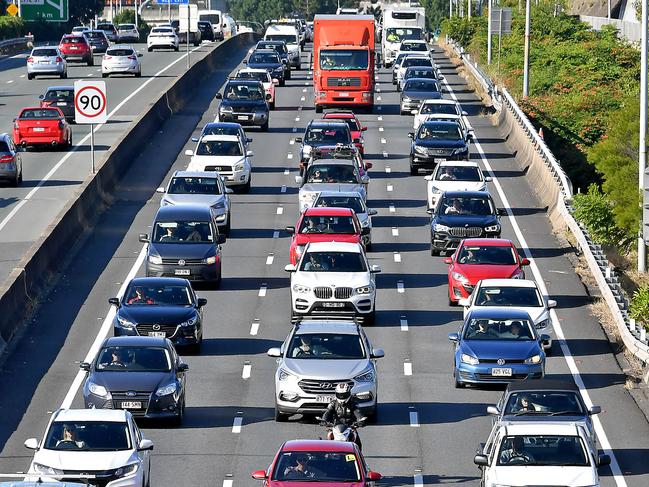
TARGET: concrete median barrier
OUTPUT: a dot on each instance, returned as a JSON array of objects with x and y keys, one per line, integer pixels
[{"x": 38, "y": 269}]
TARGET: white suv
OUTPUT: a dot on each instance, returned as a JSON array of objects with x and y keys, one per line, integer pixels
[
  {"x": 315, "y": 357},
  {"x": 105, "y": 443},
  {"x": 333, "y": 279},
  {"x": 532, "y": 452}
]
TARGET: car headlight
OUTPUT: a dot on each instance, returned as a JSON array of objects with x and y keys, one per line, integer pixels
[
  {"x": 210, "y": 260},
  {"x": 300, "y": 289},
  {"x": 306, "y": 149},
  {"x": 98, "y": 390},
  {"x": 166, "y": 390},
  {"x": 421, "y": 150},
  {"x": 44, "y": 469},
  {"x": 239, "y": 166},
  {"x": 282, "y": 374},
  {"x": 127, "y": 470},
  {"x": 125, "y": 323},
  {"x": 435, "y": 190},
  {"x": 465, "y": 358},
  {"x": 219, "y": 205},
  {"x": 365, "y": 223},
  {"x": 459, "y": 277},
  {"x": 366, "y": 376},
  {"x": 225, "y": 108},
  {"x": 461, "y": 150},
  {"x": 190, "y": 322},
  {"x": 155, "y": 259},
  {"x": 369, "y": 289},
  {"x": 543, "y": 323},
  {"x": 534, "y": 359},
  {"x": 405, "y": 99},
  {"x": 492, "y": 228},
  {"x": 438, "y": 227},
  {"x": 299, "y": 249}
]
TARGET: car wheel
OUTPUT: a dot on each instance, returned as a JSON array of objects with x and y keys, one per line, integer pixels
[
  {"x": 104, "y": 75},
  {"x": 91, "y": 61},
  {"x": 318, "y": 108},
  {"x": 264, "y": 127},
  {"x": 138, "y": 74},
  {"x": 373, "y": 416},
  {"x": 370, "y": 319},
  {"x": 217, "y": 283},
  {"x": 368, "y": 246},
  {"x": 272, "y": 105},
  {"x": 30, "y": 76},
  {"x": 451, "y": 302},
  {"x": 246, "y": 187},
  {"x": 434, "y": 252},
  {"x": 228, "y": 227},
  {"x": 178, "y": 420},
  {"x": 149, "y": 49},
  {"x": 398, "y": 87},
  {"x": 15, "y": 181},
  {"x": 414, "y": 170},
  {"x": 279, "y": 416},
  {"x": 288, "y": 74},
  {"x": 64, "y": 75},
  {"x": 456, "y": 383},
  {"x": 176, "y": 48}
]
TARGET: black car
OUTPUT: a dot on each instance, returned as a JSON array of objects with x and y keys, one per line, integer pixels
[
  {"x": 194, "y": 36},
  {"x": 282, "y": 50},
  {"x": 206, "y": 29},
  {"x": 142, "y": 375},
  {"x": 244, "y": 101},
  {"x": 415, "y": 91},
  {"x": 437, "y": 142},
  {"x": 61, "y": 97},
  {"x": 98, "y": 40},
  {"x": 463, "y": 214},
  {"x": 320, "y": 133},
  {"x": 160, "y": 307},
  {"x": 185, "y": 242},
  {"x": 269, "y": 60}
]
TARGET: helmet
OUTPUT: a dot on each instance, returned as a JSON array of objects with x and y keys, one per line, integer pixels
[{"x": 343, "y": 392}]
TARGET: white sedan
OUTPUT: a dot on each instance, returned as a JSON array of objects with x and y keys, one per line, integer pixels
[
  {"x": 265, "y": 78},
  {"x": 454, "y": 176}
]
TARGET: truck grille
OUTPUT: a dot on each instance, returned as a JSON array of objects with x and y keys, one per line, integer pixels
[
  {"x": 344, "y": 82},
  {"x": 144, "y": 329},
  {"x": 312, "y": 386},
  {"x": 323, "y": 292},
  {"x": 343, "y": 292},
  {"x": 465, "y": 231}
]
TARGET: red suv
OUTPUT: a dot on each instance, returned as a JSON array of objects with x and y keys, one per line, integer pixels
[
  {"x": 481, "y": 258},
  {"x": 354, "y": 123},
  {"x": 324, "y": 225},
  {"x": 76, "y": 48},
  {"x": 330, "y": 463}
]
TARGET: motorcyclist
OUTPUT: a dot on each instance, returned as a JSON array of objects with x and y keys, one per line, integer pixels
[{"x": 344, "y": 410}]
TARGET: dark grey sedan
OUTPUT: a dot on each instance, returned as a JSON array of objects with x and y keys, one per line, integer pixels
[{"x": 417, "y": 90}]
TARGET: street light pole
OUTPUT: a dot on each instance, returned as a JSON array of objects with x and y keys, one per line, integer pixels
[
  {"x": 526, "y": 62},
  {"x": 469, "y": 8},
  {"x": 642, "y": 159},
  {"x": 489, "y": 32}
]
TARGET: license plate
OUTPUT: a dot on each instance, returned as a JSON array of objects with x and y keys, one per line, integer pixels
[
  {"x": 182, "y": 272},
  {"x": 61, "y": 104},
  {"x": 157, "y": 334},
  {"x": 501, "y": 372},
  {"x": 242, "y": 117},
  {"x": 73, "y": 48},
  {"x": 39, "y": 129},
  {"x": 131, "y": 405},
  {"x": 326, "y": 399},
  {"x": 344, "y": 93},
  {"x": 44, "y": 62},
  {"x": 437, "y": 159},
  {"x": 333, "y": 305}
]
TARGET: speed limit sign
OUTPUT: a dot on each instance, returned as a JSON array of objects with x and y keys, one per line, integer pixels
[{"x": 90, "y": 102}]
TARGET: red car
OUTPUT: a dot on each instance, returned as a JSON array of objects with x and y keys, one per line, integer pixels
[
  {"x": 329, "y": 463},
  {"x": 354, "y": 123},
  {"x": 324, "y": 225},
  {"x": 42, "y": 126},
  {"x": 482, "y": 258},
  {"x": 76, "y": 48}
]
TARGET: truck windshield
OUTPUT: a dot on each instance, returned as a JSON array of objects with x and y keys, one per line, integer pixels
[
  {"x": 400, "y": 34},
  {"x": 346, "y": 60}
]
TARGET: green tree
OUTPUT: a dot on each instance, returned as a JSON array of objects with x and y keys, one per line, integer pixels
[{"x": 82, "y": 11}]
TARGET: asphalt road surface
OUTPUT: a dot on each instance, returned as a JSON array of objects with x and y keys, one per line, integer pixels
[{"x": 427, "y": 431}]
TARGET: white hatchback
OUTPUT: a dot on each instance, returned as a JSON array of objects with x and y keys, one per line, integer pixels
[
  {"x": 121, "y": 59},
  {"x": 163, "y": 38}
]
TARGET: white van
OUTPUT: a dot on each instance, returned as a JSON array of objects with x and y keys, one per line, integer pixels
[
  {"x": 229, "y": 26},
  {"x": 290, "y": 35},
  {"x": 216, "y": 19}
]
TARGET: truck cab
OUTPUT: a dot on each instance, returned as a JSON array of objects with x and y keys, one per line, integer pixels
[{"x": 401, "y": 24}]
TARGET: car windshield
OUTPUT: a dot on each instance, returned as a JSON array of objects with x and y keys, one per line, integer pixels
[
  {"x": 219, "y": 148},
  {"x": 88, "y": 436},
  {"x": 126, "y": 27},
  {"x": 218, "y": 129},
  {"x": 288, "y": 38},
  {"x": 400, "y": 34},
  {"x": 42, "y": 113},
  {"x": 328, "y": 224},
  {"x": 420, "y": 73},
  {"x": 343, "y": 59},
  {"x": 413, "y": 46},
  {"x": 157, "y": 294},
  {"x": 439, "y": 131},
  {"x": 322, "y": 173},
  {"x": 543, "y": 451},
  {"x": 244, "y": 92},
  {"x": 333, "y": 262},
  {"x": 133, "y": 359},
  {"x": 213, "y": 18},
  {"x": 45, "y": 52},
  {"x": 416, "y": 61},
  {"x": 458, "y": 173},
  {"x": 439, "y": 108},
  {"x": 59, "y": 95},
  {"x": 327, "y": 136},
  {"x": 318, "y": 466},
  {"x": 162, "y": 30},
  {"x": 194, "y": 185},
  {"x": 496, "y": 329},
  {"x": 487, "y": 255},
  {"x": 96, "y": 34},
  {"x": 264, "y": 58},
  {"x": 183, "y": 232},
  {"x": 551, "y": 403},
  {"x": 120, "y": 52},
  {"x": 326, "y": 346},
  {"x": 269, "y": 45},
  {"x": 527, "y": 297},
  {"x": 466, "y": 205},
  {"x": 109, "y": 27},
  {"x": 353, "y": 202},
  {"x": 256, "y": 75},
  {"x": 421, "y": 85}
]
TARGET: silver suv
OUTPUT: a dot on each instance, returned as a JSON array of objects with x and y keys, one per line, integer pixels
[{"x": 314, "y": 358}]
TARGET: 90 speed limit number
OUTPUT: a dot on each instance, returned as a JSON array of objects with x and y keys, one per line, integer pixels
[{"x": 90, "y": 102}]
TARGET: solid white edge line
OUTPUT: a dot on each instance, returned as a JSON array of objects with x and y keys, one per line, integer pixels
[
  {"x": 414, "y": 419},
  {"x": 403, "y": 322},
  {"x": 228, "y": 482}
]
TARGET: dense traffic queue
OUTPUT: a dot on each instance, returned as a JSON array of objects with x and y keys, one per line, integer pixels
[{"x": 327, "y": 365}]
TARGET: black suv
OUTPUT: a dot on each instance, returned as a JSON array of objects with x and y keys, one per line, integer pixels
[
  {"x": 437, "y": 142},
  {"x": 269, "y": 60},
  {"x": 462, "y": 214},
  {"x": 320, "y": 133},
  {"x": 282, "y": 50},
  {"x": 244, "y": 101}
]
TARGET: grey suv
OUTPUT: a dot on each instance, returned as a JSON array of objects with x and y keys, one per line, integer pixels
[{"x": 314, "y": 358}]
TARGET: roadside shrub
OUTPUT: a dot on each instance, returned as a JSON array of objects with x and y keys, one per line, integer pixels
[
  {"x": 639, "y": 306},
  {"x": 11, "y": 27},
  {"x": 127, "y": 16},
  {"x": 461, "y": 29},
  {"x": 595, "y": 211}
]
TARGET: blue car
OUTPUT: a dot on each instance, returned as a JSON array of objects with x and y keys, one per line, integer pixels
[{"x": 497, "y": 346}]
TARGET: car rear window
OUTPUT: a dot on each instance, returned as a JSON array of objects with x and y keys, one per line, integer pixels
[
  {"x": 39, "y": 113},
  {"x": 44, "y": 52},
  {"x": 59, "y": 95},
  {"x": 120, "y": 52},
  {"x": 110, "y": 27},
  {"x": 96, "y": 34},
  {"x": 73, "y": 40},
  {"x": 126, "y": 26}
]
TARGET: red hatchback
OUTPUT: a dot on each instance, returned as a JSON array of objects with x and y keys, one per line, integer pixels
[
  {"x": 481, "y": 258},
  {"x": 329, "y": 463},
  {"x": 354, "y": 123},
  {"x": 324, "y": 225},
  {"x": 76, "y": 48},
  {"x": 42, "y": 126}
]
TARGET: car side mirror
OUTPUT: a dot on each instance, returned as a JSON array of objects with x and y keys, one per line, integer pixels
[
  {"x": 245, "y": 61},
  {"x": 284, "y": 61},
  {"x": 144, "y": 238},
  {"x": 259, "y": 475},
  {"x": 221, "y": 238},
  {"x": 374, "y": 476},
  {"x": 357, "y": 140},
  {"x": 248, "y": 139},
  {"x": 189, "y": 152},
  {"x": 454, "y": 337},
  {"x": 411, "y": 135},
  {"x": 145, "y": 445},
  {"x": 464, "y": 113},
  {"x": 375, "y": 269},
  {"x": 368, "y": 165},
  {"x": 488, "y": 179},
  {"x": 502, "y": 212},
  {"x": 441, "y": 76},
  {"x": 290, "y": 230},
  {"x": 365, "y": 179},
  {"x": 274, "y": 352},
  {"x": 365, "y": 230},
  {"x": 160, "y": 190},
  {"x": 372, "y": 212},
  {"x": 525, "y": 261},
  {"x": 378, "y": 353},
  {"x": 84, "y": 366},
  {"x": 448, "y": 260},
  {"x": 363, "y": 129},
  {"x": 546, "y": 341},
  {"x": 298, "y": 139},
  {"x": 464, "y": 302},
  {"x": 139, "y": 54},
  {"x": 40, "y": 97},
  {"x": 299, "y": 180},
  {"x": 194, "y": 139},
  {"x": 249, "y": 153},
  {"x": 493, "y": 410},
  {"x": 593, "y": 410},
  {"x": 183, "y": 367},
  {"x": 603, "y": 460},
  {"x": 290, "y": 268},
  {"x": 469, "y": 136},
  {"x": 114, "y": 301},
  {"x": 552, "y": 303},
  {"x": 229, "y": 191},
  {"x": 201, "y": 302},
  {"x": 31, "y": 443},
  {"x": 481, "y": 460},
  {"x": 268, "y": 97},
  {"x": 218, "y": 96}
]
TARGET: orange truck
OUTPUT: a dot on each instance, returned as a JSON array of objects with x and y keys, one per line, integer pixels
[{"x": 343, "y": 61}]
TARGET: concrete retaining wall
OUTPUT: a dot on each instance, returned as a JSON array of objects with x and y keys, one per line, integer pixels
[{"x": 38, "y": 269}]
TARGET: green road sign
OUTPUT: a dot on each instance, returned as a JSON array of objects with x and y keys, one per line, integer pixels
[{"x": 47, "y": 10}]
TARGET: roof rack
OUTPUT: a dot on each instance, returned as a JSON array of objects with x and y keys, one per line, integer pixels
[
  {"x": 297, "y": 320},
  {"x": 339, "y": 151}
]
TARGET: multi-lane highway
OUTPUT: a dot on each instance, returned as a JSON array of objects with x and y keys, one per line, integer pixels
[
  {"x": 427, "y": 431},
  {"x": 52, "y": 176}
]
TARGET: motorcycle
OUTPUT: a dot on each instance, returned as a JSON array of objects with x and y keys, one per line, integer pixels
[{"x": 343, "y": 432}]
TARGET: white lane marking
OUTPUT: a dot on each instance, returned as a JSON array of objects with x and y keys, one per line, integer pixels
[
  {"x": 10, "y": 81},
  {"x": 380, "y": 129},
  {"x": 389, "y": 187},
  {"x": 378, "y": 98},
  {"x": 302, "y": 98},
  {"x": 378, "y": 90},
  {"x": 254, "y": 327},
  {"x": 392, "y": 209},
  {"x": 74, "y": 149},
  {"x": 388, "y": 169},
  {"x": 303, "y": 90},
  {"x": 407, "y": 367},
  {"x": 103, "y": 332},
  {"x": 383, "y": 141},
  {"x": 90, "y": 74},
  {"x": 294, "y": 129},
  {"x": 397, "y": 257},
  {"x": 286, "y": 172},
  {"x": 22, "y": 75},
  {"x": 558, "y": 329},
  {"x": 299, "y": 108},
  {"x": 270, "y": 259},
  {"x": 236, "y": 424},
  {"x": 414, "y": 419},
  {"x": 289, "y": 156},
  {"x": 247, "y": 369},
  {"x": 276, "y": 234},
  {"x": 418, "y": 480},
  {"x": 283, "y": 189},
  {"x": 262, "y": 290},
  {"x": 395, "y": 232},
  {"x": 401, "y": 287},
  {"x": 379, "y": 118},
  {"x": 385, "y": 154},
  {"x": 291, "y": 142},
  {"x": 228, "y": 482},
  {"x": 280, "y": 210},
  {"x": 403, "y": 322},
  {"x": 306, "y": 83},
  {"x": 297, "y": 119}
]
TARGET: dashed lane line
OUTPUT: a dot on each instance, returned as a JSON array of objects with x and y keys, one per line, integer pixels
[
  {"x": 254, "y": 327},
  {"x": 262, "y": 290}
]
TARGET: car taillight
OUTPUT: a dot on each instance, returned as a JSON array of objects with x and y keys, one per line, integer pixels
[
  {"x": 30, "y": 59},
  {"x": 59, "y": 59},
  {"x": 46, "y": 103},
  {"x": 108, "y": 57},
  {"x": 6, "y": 159},
  {"x": 61, "y": 123}
]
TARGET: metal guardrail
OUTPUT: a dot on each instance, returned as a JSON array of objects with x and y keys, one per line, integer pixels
[
  {"x": 634, "y": 338},
  {"x": 18, "y": 42}
]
